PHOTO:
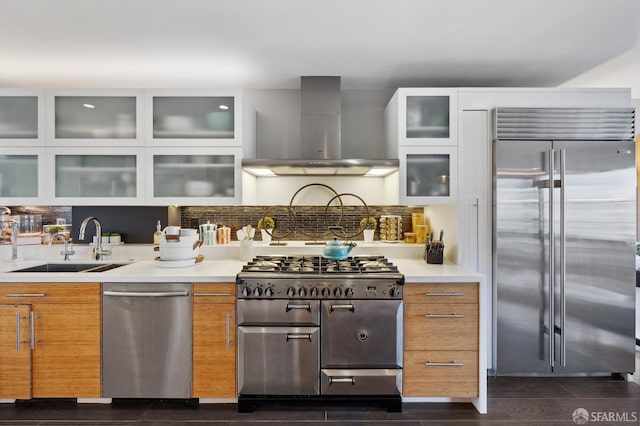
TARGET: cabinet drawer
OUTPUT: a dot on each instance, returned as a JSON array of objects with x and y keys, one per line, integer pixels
[
  {"x": 214, "y": 293},
  {"x": 50, "y": 293},
  {"x": 441, "y": 373},
  {"x": 441, "y": 327},
  {"x": 441, "y": 293}
]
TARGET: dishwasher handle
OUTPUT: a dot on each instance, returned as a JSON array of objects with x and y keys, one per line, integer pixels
[{"x": 145, "y": 293}]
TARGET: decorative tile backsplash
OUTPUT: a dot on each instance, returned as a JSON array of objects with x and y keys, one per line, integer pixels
[{"x": 305, "y": 223}]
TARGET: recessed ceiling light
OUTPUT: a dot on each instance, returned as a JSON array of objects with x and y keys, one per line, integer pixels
[
  {"x": 88, "y": 106},
  {"x": 223, "y": 107}
]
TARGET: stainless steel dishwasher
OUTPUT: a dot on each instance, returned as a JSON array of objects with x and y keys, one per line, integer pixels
[{"x": 146, "y": 340}]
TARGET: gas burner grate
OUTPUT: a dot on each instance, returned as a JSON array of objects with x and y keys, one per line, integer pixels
[{"x": 305, "y": 264}]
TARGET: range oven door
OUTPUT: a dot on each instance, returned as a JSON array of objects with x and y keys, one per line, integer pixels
[
  {"x": 361, "y": 334},
  {"x": 278, "y": 360}
]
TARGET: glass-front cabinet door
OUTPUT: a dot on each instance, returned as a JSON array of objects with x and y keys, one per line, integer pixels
[
  {"x": 427, "y": 117},
  {"x": 21, "y": 176},
  {"x": 95, "y": 118},
  {"x": 100, "y": 176},
  {"x": 21, "y": 117},
  {"x": 194, "y": 176},
  {"x": 428, "y": 175},
  {"x": 194, "y": 118}
]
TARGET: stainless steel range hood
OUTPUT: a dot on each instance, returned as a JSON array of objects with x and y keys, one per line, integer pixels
[{"x": 320, "y": 143}]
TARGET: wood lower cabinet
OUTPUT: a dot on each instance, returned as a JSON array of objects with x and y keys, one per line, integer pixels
[
  {"x": 214, "y": 340},
  {"x": 59, "y": 351},
  {"x": 441, "y": 340}
]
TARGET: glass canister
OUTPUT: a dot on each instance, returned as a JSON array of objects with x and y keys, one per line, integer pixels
[
  {"x": 416, "y": 219},
  {"x": 421, "y": 233}
]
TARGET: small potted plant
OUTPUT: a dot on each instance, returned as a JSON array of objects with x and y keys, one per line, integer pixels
[
  {"x": 263, "y": 224},
  {"x": 115, "y": 238},
  {"x": 368, "y": 225}
]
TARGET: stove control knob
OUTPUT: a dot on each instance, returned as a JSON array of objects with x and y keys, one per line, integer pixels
[
  {"x": 394, "y": 292},
  {"x": 326, "y": 292},
  {"x": 268, "y": 291},
  {"x": 314, "y": 292},
  {"x": 246, "y": 291},
  {"x": 348, "y": 292},
  {"x": 337, "y": 292},
  {"x": 257, "y": 292},
  {"x": 302, "y": 292},
  {"x": 291, "y": 292}
]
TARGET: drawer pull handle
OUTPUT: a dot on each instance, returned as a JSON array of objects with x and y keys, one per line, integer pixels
[
  {"x": 306, "y": 307},
  {"x": 443, "y": 364},
  {"x": 26, "y": 295},
  {"x": 212, "y": 294},
  {"x": 351, "y": 307},
  {"x": 448, "y": 294},
  {"x": 444, "y": 316},
  {"x": 299, "y": 337},
  {"x": 351, "y": 380}
]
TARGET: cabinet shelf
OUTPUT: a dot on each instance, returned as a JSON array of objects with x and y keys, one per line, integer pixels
[
  {"x": 80, "y": 169},
  {"x": 193, "y": 134},
  {"x": 194, "y": 166}
]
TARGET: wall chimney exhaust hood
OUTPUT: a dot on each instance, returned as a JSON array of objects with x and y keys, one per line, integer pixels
[{"x": 320, "y": 141}]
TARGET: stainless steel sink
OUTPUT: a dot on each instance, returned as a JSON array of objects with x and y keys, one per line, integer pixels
[{"x": 71, "y": 267}]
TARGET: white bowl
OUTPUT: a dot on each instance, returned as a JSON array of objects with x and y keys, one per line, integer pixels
[
  {"x": 181, "y": 241},
  {"x": 198, "y": 188},
  {"x": 188, "y": 232},
  {"x": 168, "y": 252}
]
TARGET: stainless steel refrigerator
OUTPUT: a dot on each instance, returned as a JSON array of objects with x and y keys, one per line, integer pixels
[{"x": 564, "y": 237}]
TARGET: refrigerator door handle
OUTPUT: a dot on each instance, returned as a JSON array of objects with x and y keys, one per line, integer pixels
[
  {"x": 551, "y": 306},
  {"x": 563, "y": 352}
]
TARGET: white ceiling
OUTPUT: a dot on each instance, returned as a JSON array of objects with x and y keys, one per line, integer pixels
[{"x": 271, "y": 43}]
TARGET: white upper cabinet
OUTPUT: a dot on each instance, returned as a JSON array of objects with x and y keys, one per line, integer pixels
[
  {"x": 22, "y": 176},
  {"x": 21, "y": 117},
  {"x": 193, "y": 118},
  {"x": 95, "y": 117},
  {"x": 95, "y": 176},
  {"x": 193, "y": 176},
  {"x": 428, "y": 175},
  {"x": 423, "y": 117}
]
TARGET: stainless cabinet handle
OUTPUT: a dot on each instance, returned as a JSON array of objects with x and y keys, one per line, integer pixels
[
  {"x": 444, "y": 316},
  {"x": 17, "y": 331},
  {"x": 32, "y": 339},
  {"x": 306, "y": 307},
  {"x": 351, "y": 380},
  {"x": 26, "y": 295},
  {"x": 298, "y": 337},
  {"x": 146, "y": 294},
  {"x": 228, "y": 330},
  {"x": 452, "y": 294},
  {"x": 212, "y": 294},
  {"x": 443, "y": 364},
  {"x": 351, "y": 307}
]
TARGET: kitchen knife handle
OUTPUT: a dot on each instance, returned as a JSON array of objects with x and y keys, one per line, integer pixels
[
  {"x": 444, "y": 316},
  {"x": 443, "y": 364}
]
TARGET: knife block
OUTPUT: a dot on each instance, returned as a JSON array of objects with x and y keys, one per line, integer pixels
[{"x": 434, "y": 258}]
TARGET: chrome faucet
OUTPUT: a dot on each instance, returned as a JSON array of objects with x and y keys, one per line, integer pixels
[
  {"x": 98, "y": 250},
  {"x": 66, "y": 252},
  {"x": 14, "y": 240}
]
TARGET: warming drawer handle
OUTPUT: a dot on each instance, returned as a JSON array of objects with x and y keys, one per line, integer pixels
[
  {"x": 298, "y": 337},
  {"x": 26, "y": 295},
  {"x": 350, "y": 307},
  {"x": 146, "y": 294},
  {"x": 443, "y": 364},
  {"x": 212, "y": 294},
  {"x": 444, "y": 316},
  {"x": 447, "y": 294},
  {"x": 306, "y": 307},
  {"x": 351, "y": 380}
]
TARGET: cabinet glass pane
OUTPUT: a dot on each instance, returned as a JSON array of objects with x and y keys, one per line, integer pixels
[
  {"x": 18, "y": 117},
  {"x": 428, "y": 175},
  {"x": 96, "y": 176},
  {"x": 18, "y": 175},
  {"x": 193, "y": 176},
  {"x": 193, "y": 117},
  {"x": 95, "y": 117},
  {"x": 427, "y": 116}
]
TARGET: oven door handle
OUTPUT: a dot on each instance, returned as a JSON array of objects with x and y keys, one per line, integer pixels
[
  {"x": 306, "y": 336},
  {"x": 349, "y": 379},
  {"x": 305, "y": 307},
  {"x": 350, "y": 307}
]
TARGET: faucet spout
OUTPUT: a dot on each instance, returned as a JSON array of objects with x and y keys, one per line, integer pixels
[
  {"x": 66, "y": 252},
  {"x": 98, "y": 250}
]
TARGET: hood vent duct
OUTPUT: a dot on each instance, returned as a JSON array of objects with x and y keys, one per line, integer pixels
[{"x": 320, "y": 142}]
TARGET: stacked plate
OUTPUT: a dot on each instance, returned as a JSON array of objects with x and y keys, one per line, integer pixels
[{"x": 179, "y": 250}]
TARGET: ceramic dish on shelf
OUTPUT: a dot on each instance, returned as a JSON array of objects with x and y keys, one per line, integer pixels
[{"x": 177, "y": 263}]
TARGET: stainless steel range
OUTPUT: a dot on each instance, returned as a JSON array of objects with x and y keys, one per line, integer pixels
[{"x": 319, "y": 329}]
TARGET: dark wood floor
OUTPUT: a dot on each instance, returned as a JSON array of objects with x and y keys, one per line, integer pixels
[{"x": 512, "y": 401}]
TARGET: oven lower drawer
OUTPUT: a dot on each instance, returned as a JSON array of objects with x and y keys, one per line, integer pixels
[
  {"x": 278, "y": 360},
  {"x": 361, "y": 381}
]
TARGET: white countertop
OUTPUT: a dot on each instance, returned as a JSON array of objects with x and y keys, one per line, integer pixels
[{"x": 221, "y": 264}]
